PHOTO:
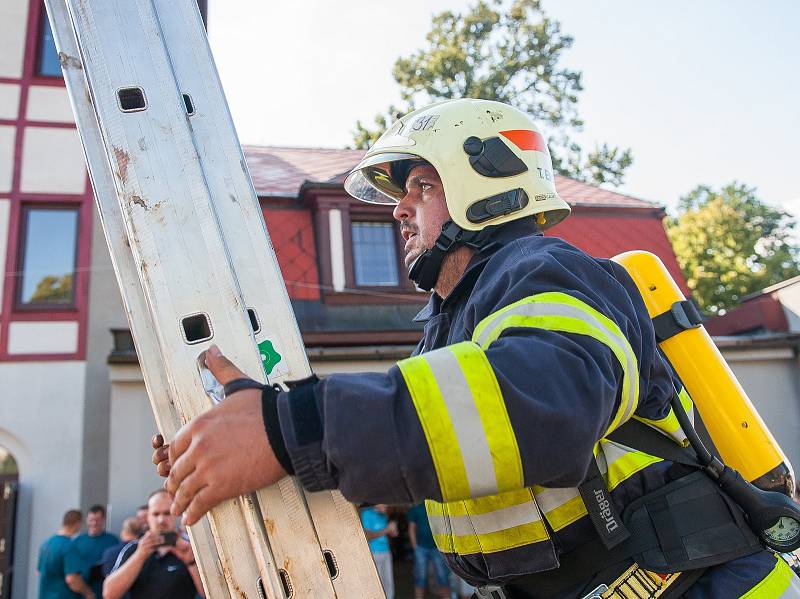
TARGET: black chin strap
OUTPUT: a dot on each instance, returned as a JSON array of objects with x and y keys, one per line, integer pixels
[{"x": 424, "y": 271}]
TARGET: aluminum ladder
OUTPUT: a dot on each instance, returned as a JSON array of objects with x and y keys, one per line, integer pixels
[{"x": 195, "y": 266}]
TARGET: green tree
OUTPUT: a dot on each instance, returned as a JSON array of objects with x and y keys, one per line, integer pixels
[
  {"x": 729, "y": 244},
  {"x": 52, "y": 289},
  {"x": 509, "y": 53}
]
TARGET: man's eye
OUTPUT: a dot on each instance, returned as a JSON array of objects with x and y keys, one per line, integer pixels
[{"x": 425, "y": 186}]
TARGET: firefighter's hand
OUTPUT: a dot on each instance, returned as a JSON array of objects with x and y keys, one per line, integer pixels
[{"x": 222, "y": 453}]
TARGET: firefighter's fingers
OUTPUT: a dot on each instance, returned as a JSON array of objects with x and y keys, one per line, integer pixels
[
  {"x": 200, "y": 504},
  {"x": 188, "y": 488},
  {"x": 180, "y": 470},
  {"x": 157, "y": 441},
  {"x": 182, "y": 441},
  {"x": 161, "y": 454},
  {"x": 221, "y": 367}
]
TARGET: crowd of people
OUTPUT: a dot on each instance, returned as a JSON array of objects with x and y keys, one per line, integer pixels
[
  {"x": 430, "y": 572},
  {"x": 151, "y": 559}
]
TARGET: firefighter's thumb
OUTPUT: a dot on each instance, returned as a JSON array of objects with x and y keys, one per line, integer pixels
[{"x": 221, "y": 367}]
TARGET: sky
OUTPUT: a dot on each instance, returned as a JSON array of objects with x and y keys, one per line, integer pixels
[{"x": 702, "y": 92}]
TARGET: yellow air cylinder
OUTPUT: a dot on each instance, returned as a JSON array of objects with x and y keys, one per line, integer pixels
[{"x": 740, "y": 435}]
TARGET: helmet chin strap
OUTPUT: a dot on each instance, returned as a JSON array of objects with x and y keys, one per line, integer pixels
[{"x": 424, "y": 271}]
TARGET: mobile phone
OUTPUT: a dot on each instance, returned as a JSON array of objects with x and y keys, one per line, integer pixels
[{"x": 170, "y": 538}]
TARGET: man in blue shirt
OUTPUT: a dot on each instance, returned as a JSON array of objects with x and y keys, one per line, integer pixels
[
  {"x": 52, "y": 584},
  {"x": 425, "y": 553},
  {"x": 83, "y": 558},
  {"x": 377, "y": 526}
]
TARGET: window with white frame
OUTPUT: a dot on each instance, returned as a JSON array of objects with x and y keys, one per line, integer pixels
[
  {"x": 374, "y": 254},
  {"x": 48, "y": 252}
]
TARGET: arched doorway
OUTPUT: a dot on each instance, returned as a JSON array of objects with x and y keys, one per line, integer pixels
[{"x": 9, "y": 485}]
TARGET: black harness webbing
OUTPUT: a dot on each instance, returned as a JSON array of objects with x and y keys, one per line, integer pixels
[
  {"x": 595, "y": 562},
  {"x": 680, "y": 317}
]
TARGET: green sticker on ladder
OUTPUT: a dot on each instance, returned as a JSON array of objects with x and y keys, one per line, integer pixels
[{"x": 269, "y": 357}]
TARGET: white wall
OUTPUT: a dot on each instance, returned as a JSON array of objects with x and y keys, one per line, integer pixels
[
  {"x": 771, "y": 378},
  {"x": 14, "y": 18},
  {"x": 9, "y": 101},
  {"x": 7, "y": 136},
  {"x": 5, "y": 209},
  {"x": 40, "y": 424},
  {"x": 131, "y": 475},
  {"x": 61, "y": 151},
  {"x": 790, "y": 300},
  {"x": 48, "y": 103}
]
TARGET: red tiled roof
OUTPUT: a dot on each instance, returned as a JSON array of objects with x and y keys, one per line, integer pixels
[
  {"x": 760, "y": 313},
  {"x": 605, "y": 235},
  {"x": 604, "y": 223},
  {"x": 281, "y": 171}
]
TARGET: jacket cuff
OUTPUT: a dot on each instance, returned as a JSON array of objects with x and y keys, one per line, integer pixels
[
  {"x": 272, "y": 426},
  {"x": 302, "y": 428}
]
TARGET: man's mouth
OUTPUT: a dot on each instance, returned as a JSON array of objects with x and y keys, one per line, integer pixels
[{"x": 408, "y": 234}]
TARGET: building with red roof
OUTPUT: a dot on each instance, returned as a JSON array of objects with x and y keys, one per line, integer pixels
[{"x": 310, "y": 219}]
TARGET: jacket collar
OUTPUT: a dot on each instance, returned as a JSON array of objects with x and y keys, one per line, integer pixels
[{"x": 504, "y": 235}]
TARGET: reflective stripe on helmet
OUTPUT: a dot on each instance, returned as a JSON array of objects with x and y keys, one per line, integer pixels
[
  {"x": 463, "y": 415},
  {"x": 555, "y": 311}
]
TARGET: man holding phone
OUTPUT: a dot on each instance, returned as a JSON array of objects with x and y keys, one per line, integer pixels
[{"x": 160, "y": 565}]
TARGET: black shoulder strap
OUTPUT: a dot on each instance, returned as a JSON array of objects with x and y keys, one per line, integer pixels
[
  {"x": 680, "y": 317},
  {"x": 638, "y": 435}
]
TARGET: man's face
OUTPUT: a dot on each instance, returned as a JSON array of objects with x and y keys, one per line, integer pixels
[
  {"x": 95, "y": 523},
  {"x": 141, "y": 515},
  {"x": 422, "y": 211},
  {"x": 159, "y": 519}
]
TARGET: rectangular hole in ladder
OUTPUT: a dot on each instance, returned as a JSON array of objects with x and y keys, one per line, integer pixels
[
  {"x": 196, "y": 328},
  {"x": 187, "y": 101},
  {"x": 131, "y": 99},
  {"x": 254, "y": 324}
]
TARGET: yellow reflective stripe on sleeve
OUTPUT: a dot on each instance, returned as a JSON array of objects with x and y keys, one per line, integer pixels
[
  {"x": 561, "y": 507},
  {"x": 492, "y": 411},
  {"x": 669, "y": 425},
  {"x": 435, "y": 420},
  {"x": 622, "y": 462},
  {"x": 464, "y": 417},
  {"x": 486, "y": 524},
  {"x": 555, "y": 311},
  {"x": 780, "y": 583}
]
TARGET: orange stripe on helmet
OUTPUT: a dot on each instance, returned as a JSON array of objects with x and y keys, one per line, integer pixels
[{"x": 525, "y": 139}]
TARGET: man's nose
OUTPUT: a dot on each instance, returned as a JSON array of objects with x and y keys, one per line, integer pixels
[{"x": 403, "y": 209}]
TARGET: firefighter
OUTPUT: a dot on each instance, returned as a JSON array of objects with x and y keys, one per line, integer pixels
[{"x": 533, "y": 353}]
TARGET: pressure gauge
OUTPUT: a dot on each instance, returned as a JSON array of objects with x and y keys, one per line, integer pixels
[{"x": 784, "y": 535}]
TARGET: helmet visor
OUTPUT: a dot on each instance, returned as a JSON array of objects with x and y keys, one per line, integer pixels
[{"x": 373, "y": 181}]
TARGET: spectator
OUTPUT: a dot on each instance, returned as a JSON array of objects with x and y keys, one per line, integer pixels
[
  {"x": 377, "y": 526},
  {"x": 84, "y": 574},
  {"x": 159, "y": 565},
  {"x": 131, "y": 530},
  {"x": 52, "y": 581},
  {"x": 461, "y": 587},
  {"x": 425, "y": 554},
  {"x": 141, "y": 515}
]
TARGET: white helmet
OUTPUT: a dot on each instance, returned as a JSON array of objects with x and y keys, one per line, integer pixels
[{"x": 493, "y": 162}]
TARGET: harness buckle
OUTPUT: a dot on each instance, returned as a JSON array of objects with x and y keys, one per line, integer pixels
[
  {"x": 597, "y": 593},
  {"x": 490, "y": 592}
]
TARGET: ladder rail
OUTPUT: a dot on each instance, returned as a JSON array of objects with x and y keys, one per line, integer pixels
[
  {"x": 230, "y": 528},
  {"x": 167, "y": 419},
  {"x": 300, "y": 526},
  {"x": 334, "y": 520}
]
